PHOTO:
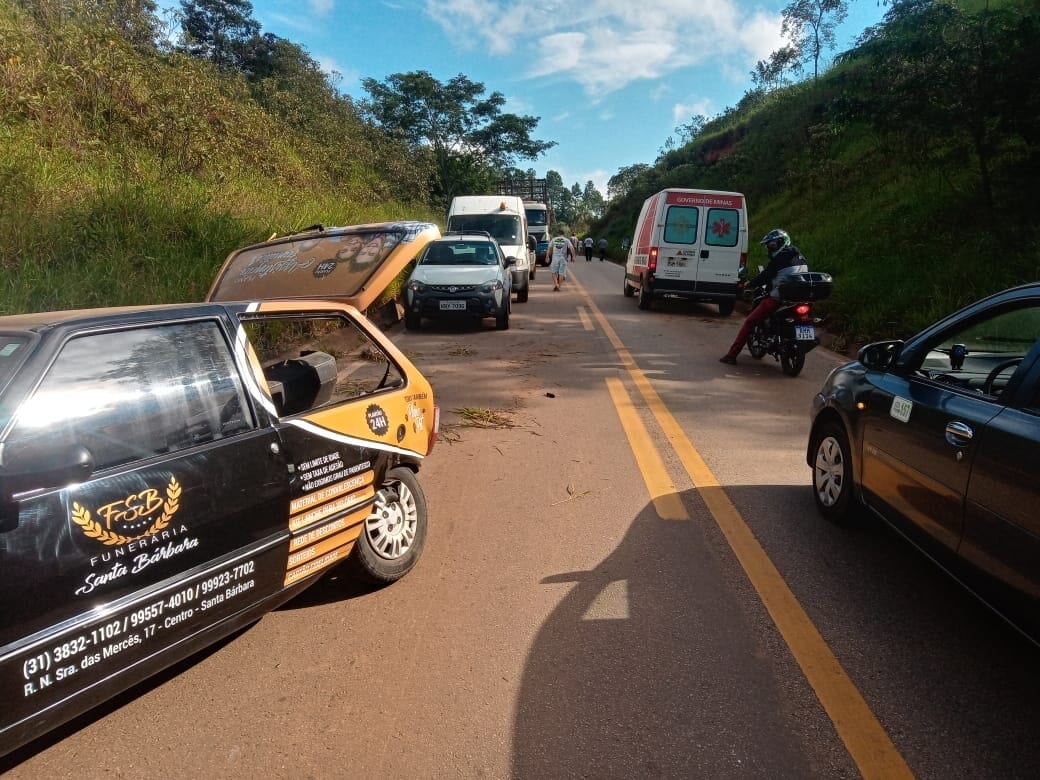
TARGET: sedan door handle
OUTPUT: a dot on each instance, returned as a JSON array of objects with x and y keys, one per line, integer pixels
[{"x": 959, "y": 434}]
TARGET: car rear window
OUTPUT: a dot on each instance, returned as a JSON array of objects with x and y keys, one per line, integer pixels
[
  {"x": 722, "y": 227},
  {"x": 680, "y": 225}
]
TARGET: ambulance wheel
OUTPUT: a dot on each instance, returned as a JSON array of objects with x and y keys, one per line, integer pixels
[
  {"x": 726, "y": 308},
  {"x": 645, "y": 296},
  {"x": 522, "y": 293},
  {"x": 393, "y": 535},
  {"x": 628, "y": 289}
]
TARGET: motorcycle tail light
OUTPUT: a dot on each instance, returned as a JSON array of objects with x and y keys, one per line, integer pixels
[
  {"x": 802, "y": 310},
  {"x": 652, "y": 262}
]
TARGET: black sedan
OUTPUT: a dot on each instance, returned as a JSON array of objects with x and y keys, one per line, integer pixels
[{"x": 939, "y": 436}]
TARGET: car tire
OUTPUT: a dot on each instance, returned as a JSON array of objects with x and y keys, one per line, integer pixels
[
  {"x": 502, "y": 318},
  {"x": 393, "y": 535},
  {"x": 832, "y": 473},
  {"x": 412, "y": 321},
  {"x": 792, "y": 364},
  {"x": 521, "y": 294},
  {"x": 532, "y": 270},
  {"x": 726, "y": 308},
  {"x": 628, "y": 289},
  {"x": 645, "y": 296}
]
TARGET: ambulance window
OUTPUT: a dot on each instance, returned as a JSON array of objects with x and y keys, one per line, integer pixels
[
  {"x": 318, "y": 361},
  {"x": 680, "y": 225},
  {"x": 133, "y": 394},
  {"x": 722, "y": 227}
]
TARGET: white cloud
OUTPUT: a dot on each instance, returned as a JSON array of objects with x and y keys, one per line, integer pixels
[
  {"x": 321, "y": 7},
  {"x": 683, "y": 112},
  {"x": 603, "y": 45},
  {"x": 351, "y": 77}
]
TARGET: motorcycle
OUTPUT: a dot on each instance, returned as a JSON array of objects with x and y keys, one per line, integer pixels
[{"x": 789, "y": 333}]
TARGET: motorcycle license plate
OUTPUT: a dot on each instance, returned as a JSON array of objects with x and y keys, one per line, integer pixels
[
  {"x": 804, "y": 332},
  {"x": 453, "y": 306}
]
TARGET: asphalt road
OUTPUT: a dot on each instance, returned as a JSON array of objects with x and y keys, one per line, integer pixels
[{"x": 625, "y": 577}]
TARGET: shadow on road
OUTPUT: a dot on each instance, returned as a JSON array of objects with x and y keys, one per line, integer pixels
[{"x": 661, "y": 662}]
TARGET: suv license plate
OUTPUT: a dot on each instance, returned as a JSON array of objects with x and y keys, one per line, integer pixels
[
  {"x": 804, "y": 332},
  {"x": 453, "y": 306}
]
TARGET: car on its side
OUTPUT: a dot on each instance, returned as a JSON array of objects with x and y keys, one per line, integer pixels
[
  {"x": 168, "y": 474},
  {"x": 939, "y": 436},
  {"x": 462, "y": 274}
]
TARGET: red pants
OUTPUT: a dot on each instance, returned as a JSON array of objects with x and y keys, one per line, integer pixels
[{"x": 760, "y": 312}]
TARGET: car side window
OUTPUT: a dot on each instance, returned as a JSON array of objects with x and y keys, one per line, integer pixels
[
  {"x": 983, "y": 355},
  {"x": 313, "y": 362},
  {"x": 133, "y": 394}
]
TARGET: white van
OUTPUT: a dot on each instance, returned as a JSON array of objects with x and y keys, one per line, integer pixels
[
  {"x": 504, "y": 217},
  {"x": 689, "y": 244}
]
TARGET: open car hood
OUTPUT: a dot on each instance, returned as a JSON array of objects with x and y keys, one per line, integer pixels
[{"x": 352, "y": 265}]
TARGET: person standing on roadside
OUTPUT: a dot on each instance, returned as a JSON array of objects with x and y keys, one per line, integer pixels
[
  {"x": 562, "y": 252},
  {"x": 588, "y": 249},
  {"x": 602, "y": 249}
]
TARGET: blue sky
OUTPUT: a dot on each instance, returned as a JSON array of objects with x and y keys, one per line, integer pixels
[{"x": 609, "y": 79}]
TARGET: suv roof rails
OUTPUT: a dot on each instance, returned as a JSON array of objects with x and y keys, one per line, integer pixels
[{"x": 467, "y": 233}]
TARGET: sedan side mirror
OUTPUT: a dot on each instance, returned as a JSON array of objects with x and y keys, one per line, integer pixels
[
  {"x": 880, "y": 355},
  {"x": 42, "y": 468}
]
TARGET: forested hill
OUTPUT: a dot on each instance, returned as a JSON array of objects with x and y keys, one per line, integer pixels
[
  {"x": 130, "y": 166},
  {"x": 908, "y": 170},
  {"x": 129, "y": 169}
]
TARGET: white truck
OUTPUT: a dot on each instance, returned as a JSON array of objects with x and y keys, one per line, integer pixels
[
  {"x": 504, "y": 217},
  {"x": 538, "y": 227}
]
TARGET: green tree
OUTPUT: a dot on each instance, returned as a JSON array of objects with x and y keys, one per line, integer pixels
[
  {"x": 592, "y": 201},
  {"x": 810, "y": 24},
  {"x": 620, "y": 184},
  {"x": 218, "y": 30},
  {"x": 771, "y": 74},
  {"x": 947, "y": 86},
  {"x": 468, "y": 135}
]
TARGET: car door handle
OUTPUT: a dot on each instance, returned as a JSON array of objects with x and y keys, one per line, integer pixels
[{"x": 959, "y": 434}]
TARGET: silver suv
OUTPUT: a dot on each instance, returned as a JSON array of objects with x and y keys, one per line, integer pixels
[{"x": 460, "y": 275}]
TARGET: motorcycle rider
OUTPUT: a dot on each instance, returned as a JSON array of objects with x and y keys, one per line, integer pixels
[{"x": 784, "y": 259}]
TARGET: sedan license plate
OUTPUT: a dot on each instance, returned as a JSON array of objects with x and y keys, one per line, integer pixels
[
  {"x": 804, "y": 332},
  {"x": 453, "y": 306}
]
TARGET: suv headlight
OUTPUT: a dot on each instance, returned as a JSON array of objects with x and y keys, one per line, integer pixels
[
  {"x": 416, "y": 286},
  {"x": 494, "y": 284}
]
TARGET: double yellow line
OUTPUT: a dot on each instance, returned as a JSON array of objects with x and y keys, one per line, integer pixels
[{"x": 867, "y": 742}]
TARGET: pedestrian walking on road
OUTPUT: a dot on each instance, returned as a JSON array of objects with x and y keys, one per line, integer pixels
[
  {"x": 562, "y": 252},
  {"x": 602, "y": 249},
  {"x": 588, "y": 249}
]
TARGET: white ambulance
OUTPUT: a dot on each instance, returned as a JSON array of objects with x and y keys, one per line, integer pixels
[
  {"x": 689, "y": 244},
  {"x": 504, "y": 217}
]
